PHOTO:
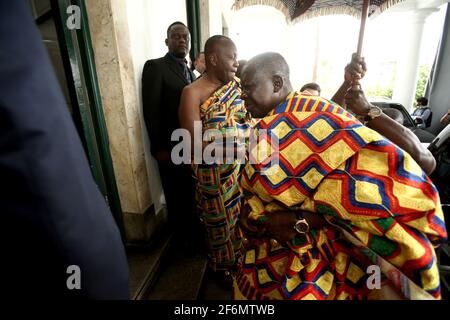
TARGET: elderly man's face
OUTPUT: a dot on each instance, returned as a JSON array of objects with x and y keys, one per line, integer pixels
[{"x": 258, "y": 93}]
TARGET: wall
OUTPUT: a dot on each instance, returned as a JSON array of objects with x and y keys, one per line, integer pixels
[
  {"x": 204, "y": 22},
  {"x": 125, "y": 35},
  {"x": 215, "y": 17},
  {"x": 211, "y": 19},
  {"x": 147, "y": 22}
]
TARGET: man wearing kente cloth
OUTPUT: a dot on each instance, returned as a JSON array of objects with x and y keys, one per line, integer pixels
[
  {"x": 328, "y": 202},
  {"x": 213, "y": 101}
]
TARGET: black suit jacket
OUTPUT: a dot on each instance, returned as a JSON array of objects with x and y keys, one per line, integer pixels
[
  {"x": 162, "y": 84},
  {"x": 53, "y": 214}
]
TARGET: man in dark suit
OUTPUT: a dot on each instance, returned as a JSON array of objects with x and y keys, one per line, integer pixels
[
  {"x": 53, "y": 215},
  {"x": 163, "y": 80}
]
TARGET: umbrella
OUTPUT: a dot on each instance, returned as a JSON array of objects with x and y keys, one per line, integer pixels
[{"x": 299, "y": 10}]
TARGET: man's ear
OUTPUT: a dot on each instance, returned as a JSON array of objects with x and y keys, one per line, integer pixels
[
  {"x": 167, "y": 42},
  {"x": 213, "y": 59},
  {"x": 277, "y": 83}
]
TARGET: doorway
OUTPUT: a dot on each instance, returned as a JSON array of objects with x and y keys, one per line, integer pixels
[{"x": 70, "y": 53}]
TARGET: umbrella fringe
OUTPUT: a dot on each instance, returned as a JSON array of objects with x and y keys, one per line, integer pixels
[
  {"x": 334, "y": 10},
  {"x": 327, "y": 12},
  {"x": 277, "y": 4},
  {"x": 387, "y": 5}
]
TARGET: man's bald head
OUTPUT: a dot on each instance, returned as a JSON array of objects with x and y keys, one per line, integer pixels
[
  {"x": 216, "y": 42},
  {"x": 268, "y": 64},
  {"x": 265, "y": 83},
  {"x": 221, "y": 58},
  {"x": 242, "y": 64}
]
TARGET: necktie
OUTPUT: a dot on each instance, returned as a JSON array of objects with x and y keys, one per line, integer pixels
[{"x": 184, "y": 67}]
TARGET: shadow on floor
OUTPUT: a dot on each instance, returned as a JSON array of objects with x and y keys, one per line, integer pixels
[
  {"x": 171, "y": 269},
  {"x": 181, "y": 274},
  {"x": 212, "y": 289}
]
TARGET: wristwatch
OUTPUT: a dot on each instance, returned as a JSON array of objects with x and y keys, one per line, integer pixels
[
  {"x": 373, "y": 113},
  {"x": 301, "y": 226}
]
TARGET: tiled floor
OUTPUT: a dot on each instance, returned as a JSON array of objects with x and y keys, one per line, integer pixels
[
  {"x": 176, "y": 270},
  {"x": 180, "y": 277},
  {"x": 143, "y": 262},
  {"x": 181, "y": 272}
]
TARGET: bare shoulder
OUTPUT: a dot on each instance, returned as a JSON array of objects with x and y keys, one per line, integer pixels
[
  {"x": 198, "y": 91},
  {"x": 191, "y": 96},
  {"x": 194, "y": 89}
]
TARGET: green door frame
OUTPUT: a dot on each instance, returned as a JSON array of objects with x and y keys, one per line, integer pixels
[
  {"x": 193, "y": 18},
  {"x": 78, "y": 58}
]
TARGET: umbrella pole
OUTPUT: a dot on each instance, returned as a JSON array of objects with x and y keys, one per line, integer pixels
[
  {"x": 362, "y": 27},
  {"x": 365, "y": 10}
]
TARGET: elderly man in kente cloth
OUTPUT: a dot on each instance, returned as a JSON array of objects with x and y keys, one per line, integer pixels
[
  {"x": 213, "y": 101},
  {"x": 340, "y": 206}
]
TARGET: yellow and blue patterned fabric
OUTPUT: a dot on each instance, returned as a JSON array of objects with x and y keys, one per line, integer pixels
[
  {"x": 332, "y": 165},
  {"x": 218, "y": 193}
]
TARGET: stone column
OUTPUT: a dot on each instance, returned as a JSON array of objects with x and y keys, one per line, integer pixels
[
  {"x": 113, "y": 59},
  {"x": 204, "y": 21},
  {"x": 408, "y": 66}
]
